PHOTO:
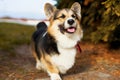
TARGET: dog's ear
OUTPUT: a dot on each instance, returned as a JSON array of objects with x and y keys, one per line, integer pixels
[
  {"x": 49, "y": 10},
  {"x": 76, "y": 8}
]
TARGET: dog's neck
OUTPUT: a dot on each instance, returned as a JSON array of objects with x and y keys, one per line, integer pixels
[{"x": 66, "y": 43}]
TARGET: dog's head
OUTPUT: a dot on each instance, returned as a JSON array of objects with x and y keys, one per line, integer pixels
[{"x": 65, "y": 21}]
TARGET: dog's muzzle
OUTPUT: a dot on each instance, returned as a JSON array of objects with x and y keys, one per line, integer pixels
[{"x": 69, "y": 26}]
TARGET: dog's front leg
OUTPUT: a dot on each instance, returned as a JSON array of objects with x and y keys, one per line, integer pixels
[
  {"x": 51, "y": 68},
  {"x": 54, "y": 76}
]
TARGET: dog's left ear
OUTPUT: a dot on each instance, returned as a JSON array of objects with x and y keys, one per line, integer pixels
[
  {"x": 76, "y": 8},
  {"x": 49, "y": 10}
]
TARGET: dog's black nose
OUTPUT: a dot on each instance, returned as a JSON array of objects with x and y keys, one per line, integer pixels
[{"x": 71, "y": 21}]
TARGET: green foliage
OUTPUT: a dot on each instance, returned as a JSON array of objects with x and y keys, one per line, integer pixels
[
  {"x": 112, "y": 7},
  {"x": 110, "y": 19},
  {"x": 12, "y": 35}
]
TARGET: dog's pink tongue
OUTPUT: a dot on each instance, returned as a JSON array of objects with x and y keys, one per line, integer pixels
[{"x": 71, "y": 30}]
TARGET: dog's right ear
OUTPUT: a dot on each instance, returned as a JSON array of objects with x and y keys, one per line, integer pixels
[
  {"x": 49, "y": 10},
  {"x": 76, "y": 8}
]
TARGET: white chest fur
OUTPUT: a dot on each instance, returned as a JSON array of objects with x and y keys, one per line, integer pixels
[
  {"x": 66, "y": 46},
  {"x": 65, "y": 60}
]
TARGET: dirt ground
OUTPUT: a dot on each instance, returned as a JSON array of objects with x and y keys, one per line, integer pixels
[{"x": 96, "y": 62}]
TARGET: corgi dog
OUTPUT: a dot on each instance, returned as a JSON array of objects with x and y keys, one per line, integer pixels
[{"x": 54, "y": 46}]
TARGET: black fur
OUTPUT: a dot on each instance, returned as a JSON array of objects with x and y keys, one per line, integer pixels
[
  {"x": 41, "y": 24},
  {"x": 44, "y": 43},
  {"x": 61, "y": 27}
]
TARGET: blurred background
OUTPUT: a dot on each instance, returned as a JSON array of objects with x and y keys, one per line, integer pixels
[
  {"x": 100, "y": 18},
  {"x": 23, "y": 8},
  {"x": 100, "y": 44}
]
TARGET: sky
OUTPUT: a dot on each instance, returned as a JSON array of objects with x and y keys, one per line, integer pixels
[{"x": 33, "y": 9}]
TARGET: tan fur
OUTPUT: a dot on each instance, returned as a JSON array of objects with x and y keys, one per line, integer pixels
[
  {"x": 46, "y": 60},
  {"x": 66, "y": 42},
  {"x": 49, "y": 11},
  {"x": 33, "y": 50}
]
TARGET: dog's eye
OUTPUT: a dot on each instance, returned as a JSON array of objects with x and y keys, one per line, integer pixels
[
  {"x": 62, "y": 16},
  {"x": 73, "y": 16}
]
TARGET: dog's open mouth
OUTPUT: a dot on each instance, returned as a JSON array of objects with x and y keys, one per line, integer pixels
[
  {"x": 68, "y": 30},
  {"x": 71, "y": 29}
]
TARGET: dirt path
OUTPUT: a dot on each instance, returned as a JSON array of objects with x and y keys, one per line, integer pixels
[{"x": 95, "y": 62}]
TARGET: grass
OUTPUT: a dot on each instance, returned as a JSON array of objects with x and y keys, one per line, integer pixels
[{"x": 12, "y": 35}]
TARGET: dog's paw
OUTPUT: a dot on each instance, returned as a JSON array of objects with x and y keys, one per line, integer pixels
[
  {"x": 62, "y": 70},
  {"x": 39, "y": 66},
  {"x": 55, "y": 77}
]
